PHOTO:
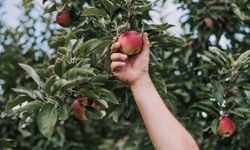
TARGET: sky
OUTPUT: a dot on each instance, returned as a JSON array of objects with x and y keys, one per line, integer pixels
[{"x": 13, "y": 12}]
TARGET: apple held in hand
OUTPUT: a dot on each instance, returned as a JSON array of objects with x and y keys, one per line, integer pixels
[
  {"x": 64, "y": 18},
  {"x": 226, "y": 127},
  {"x": 131, "y": 42},
  {"x": 79, "y": 110}
]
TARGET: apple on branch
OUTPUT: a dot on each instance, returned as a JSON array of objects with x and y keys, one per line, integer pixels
[
  {"x": 226, "y": 127},
  {"x": 209, "y": 22},
  {"x": 79, "y": 110},
  {"x": 64, "y": 18}
]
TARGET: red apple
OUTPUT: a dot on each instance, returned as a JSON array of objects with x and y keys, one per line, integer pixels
[
  {"x": 95, "y": 106},
  {"x": 79, "y": 110},
  {"x": 209, "y": 22},
  {"x": 84, "y": 101},
  {"x": 226, "y": 127},
  {"x": 64, "y": 18},
  {"x": 131, "y": 42}
]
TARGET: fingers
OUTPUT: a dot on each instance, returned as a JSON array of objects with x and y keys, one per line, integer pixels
[
  {"x": 115, "y": 39},
  {"x": 146, "y": 43},
  {"x": 118, "y": 57},
  {"x": 118, "y": 61},
  {"x": 115, "y": 47},
  {"x": 117, "y": 66}
]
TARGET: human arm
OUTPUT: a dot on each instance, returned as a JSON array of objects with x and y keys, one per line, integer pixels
[{"x": 164, "y": 130}]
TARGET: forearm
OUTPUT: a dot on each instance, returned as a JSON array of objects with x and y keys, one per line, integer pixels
[{"x": 164, "y": 130}]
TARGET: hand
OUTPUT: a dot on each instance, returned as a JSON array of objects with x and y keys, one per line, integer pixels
[{"x": 130, "y": 69}]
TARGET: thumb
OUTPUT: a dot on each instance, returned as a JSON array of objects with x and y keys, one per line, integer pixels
[{"x": 146, "y": 43}]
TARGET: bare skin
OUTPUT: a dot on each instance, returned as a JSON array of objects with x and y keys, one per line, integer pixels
[{"x": 165, "y": 132}]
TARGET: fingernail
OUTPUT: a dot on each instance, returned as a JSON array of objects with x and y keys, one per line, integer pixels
[
  {"x": 116, "y": 45},
  {"x": 125, "y": 57},
  {"x": 123, "y": 64},
  {"x": 115, "y": 39}
]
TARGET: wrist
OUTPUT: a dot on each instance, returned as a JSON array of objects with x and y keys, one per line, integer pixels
[{"x": 141, "y": 81}]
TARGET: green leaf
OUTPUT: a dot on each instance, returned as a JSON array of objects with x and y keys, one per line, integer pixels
[
  {"x": 83, "y": 80},
  {"x": 32, "y": 74},
  {"x": 88, "y": 93},
  {"x": 62, "y": 85},
  {"x": 7, "y": 143},
  {"x": 29, "y": 107},
  {"x": 236, "y": 113},
  {"x": 143, "y": 9},
  {"x": 237, "y": 11},
  {"x": 207, "y": 59},
  {"x": 94, "y": 12},
  {"x": 27, "y": 5},
  {"x": 108, "y": 4},
  {"x": 46, "y": 120},
  {"x": 116, "y": 113},
  {"x": 50, "y": 9},
  {"x": 222, "y": 55},
  {"x": 110, "y": 95},
  {"x": 60, "y": 68},
  {"x": 57, "y": 41},
  {"x": 215, "y": 60},
  {"x": 101, "y": 78},
  {"x": 243, "y": 57},
  {"x": 25, "y": 133},
  {"x": 96, "y": 114},
  {"x": 74, "y": 72},
  {"x": 101, "y": 45},
  {"x": 218, "y": 91},
  {"x": 102, "y": 103},
  {"x": 64, "y": 112},
  {"x": 162, "y": 27},
  {"x": 63, "y": 50},
  {"x": 246, "y": 123},
  {"x": 215, "y": 126},
  {"x": 208, "y": 106},
  {"x": 49, "y": 83},
  {"x": 175, "y": 41},
  {"x": 25, "y": 91},
  {"x": 38, "y": 94},
  {"x": 241, "y": 111},
  {"x": 154, "y": 59},
  {"x": 17, "y": 101},
  {"x": 113, "y": 99},
  {"x": 83, "y": 47}
]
